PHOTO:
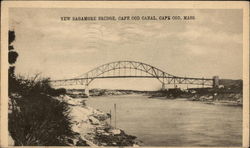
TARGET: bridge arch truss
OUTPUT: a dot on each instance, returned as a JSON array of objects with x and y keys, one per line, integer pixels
[{"x": 131, "y": 69}]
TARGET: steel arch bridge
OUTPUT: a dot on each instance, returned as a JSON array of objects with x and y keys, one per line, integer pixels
[{"x": 132, "y": 69}]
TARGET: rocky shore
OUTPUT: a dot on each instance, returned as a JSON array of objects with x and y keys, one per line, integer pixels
[
  {"x": 229, "y": 99},
  {"x": 206, "y": 95},
  {"x": 92, "y": 128},
  {"x": 220, "y": 96}
]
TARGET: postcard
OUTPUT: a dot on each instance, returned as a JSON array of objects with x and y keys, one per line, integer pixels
[{"x": 125, "y": 74}]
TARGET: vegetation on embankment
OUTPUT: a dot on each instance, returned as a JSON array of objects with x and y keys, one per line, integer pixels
[
  {"x": 229, "y": 93},
  {"x": 43, "y": 116},
  {"x": 35, "y": 116}
]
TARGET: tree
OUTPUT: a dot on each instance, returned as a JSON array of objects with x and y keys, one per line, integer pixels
[{"x": 12, "y": 59}]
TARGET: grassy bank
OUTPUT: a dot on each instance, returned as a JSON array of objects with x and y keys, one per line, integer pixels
[{"x": 36, "y": 118}]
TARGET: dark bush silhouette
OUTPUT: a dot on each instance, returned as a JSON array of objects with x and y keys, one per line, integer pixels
[
  {"x": 37, "y": 118},
  {"x": 12, "y": 36},
  {"x": 12, "y": 57}
]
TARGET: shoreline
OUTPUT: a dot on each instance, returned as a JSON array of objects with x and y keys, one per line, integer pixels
[
  {"x": 206, "y": 99},
  {"x": 92, "y": 126},
  {"x": 206, "y": 95},
  {"x": 213, "y": 102}
]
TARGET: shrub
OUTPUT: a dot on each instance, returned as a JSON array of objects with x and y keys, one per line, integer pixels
[{"x": 37, "y": 118}]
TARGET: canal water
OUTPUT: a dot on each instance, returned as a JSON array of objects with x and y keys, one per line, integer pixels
[{"x": 161, "y": 122}]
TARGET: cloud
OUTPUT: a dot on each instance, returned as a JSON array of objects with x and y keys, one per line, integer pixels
[
  {"x": 214, "y": 38},
  {"x": 196, "y": 50},
  {"x": 205, "y": 34}
]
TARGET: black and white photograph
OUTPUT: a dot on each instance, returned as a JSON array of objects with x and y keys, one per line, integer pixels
[{"x": 130, "y": 76}]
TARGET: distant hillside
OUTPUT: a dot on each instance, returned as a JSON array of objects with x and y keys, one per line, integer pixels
[{"x": 233, "y": 84}]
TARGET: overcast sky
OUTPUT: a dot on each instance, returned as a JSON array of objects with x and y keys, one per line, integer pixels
[{"x": 207, "y": 46}]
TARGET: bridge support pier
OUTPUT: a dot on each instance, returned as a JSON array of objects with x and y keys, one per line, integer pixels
[
  {"x": 163, "y": 87},
  {"x": 86, "y": 90}
]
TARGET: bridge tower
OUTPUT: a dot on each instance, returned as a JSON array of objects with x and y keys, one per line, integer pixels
[
  {"x": 86, "y": 90},
  {"x": 216, "y": 82},
  {"x": 163, "y": 86}
]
